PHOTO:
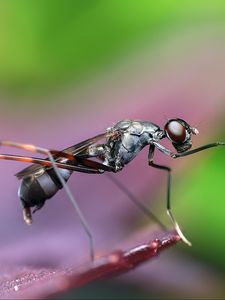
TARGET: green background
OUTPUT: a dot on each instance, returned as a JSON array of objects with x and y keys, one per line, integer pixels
[{"x": 48, "y": 46}]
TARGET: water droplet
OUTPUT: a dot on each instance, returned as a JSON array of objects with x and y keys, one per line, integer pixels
[{"x": 16, "y": 288}]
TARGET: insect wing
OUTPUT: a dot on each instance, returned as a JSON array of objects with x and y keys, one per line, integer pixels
[
  {"x": 29, "y": 170},
  {"x": 75, "y": 149}
]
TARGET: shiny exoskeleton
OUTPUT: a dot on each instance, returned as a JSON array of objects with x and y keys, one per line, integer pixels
[
  {"x": 124, "y": 141},
  {"x": 121, "y": 144},
  {"x": 132, "y": 137},
  {"x": 35, "y": 189}
]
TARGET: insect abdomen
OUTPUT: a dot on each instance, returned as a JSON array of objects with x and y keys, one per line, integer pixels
[{"x": 36, "y": 189}]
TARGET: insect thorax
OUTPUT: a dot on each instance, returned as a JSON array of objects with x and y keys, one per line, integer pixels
[{"x": 135, "y": 135}]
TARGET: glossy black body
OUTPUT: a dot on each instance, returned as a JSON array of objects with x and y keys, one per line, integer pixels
[
  {"x": 123, "y": 142},
  {"x": 35, "y": 189}
]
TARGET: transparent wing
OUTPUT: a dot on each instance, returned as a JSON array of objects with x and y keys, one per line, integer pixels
[{"x": 74, "y": 150}]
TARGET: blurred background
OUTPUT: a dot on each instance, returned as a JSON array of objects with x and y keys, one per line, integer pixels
[{"x": 71, "y": 69}]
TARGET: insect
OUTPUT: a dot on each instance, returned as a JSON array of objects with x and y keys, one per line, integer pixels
[{"x": 122, "y": 143}]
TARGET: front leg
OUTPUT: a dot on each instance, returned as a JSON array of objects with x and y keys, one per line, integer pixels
[
  {"x": 168, "y": 205},
  {"x": 202, "y": 148},
  {"x": 161, "y": 149},
  {"x": 186, "y": 153}
]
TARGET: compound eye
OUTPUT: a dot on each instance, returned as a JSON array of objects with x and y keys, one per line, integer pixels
[{"x": 176, "y": 131}]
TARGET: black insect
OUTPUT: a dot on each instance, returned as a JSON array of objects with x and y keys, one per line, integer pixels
[{"x": 122, "y": 143}]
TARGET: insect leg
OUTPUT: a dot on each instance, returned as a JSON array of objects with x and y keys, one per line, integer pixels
[
  {"x": 176, "y": 155},
  {"x": 100, "y": 150},
  {"x": 169, "y": 211},
  {"x": 75, "y": 205},
  {"x": 138, "y": 204},
  {"x": 55, "y": 153},
  {"x": 33, "y": 148},
  {"x": 47, "y": 163}
]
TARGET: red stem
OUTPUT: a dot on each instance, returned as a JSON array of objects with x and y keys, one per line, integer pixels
[
  {"x": 45, "y": 284},
  {"x": 118, "y": 262}
]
